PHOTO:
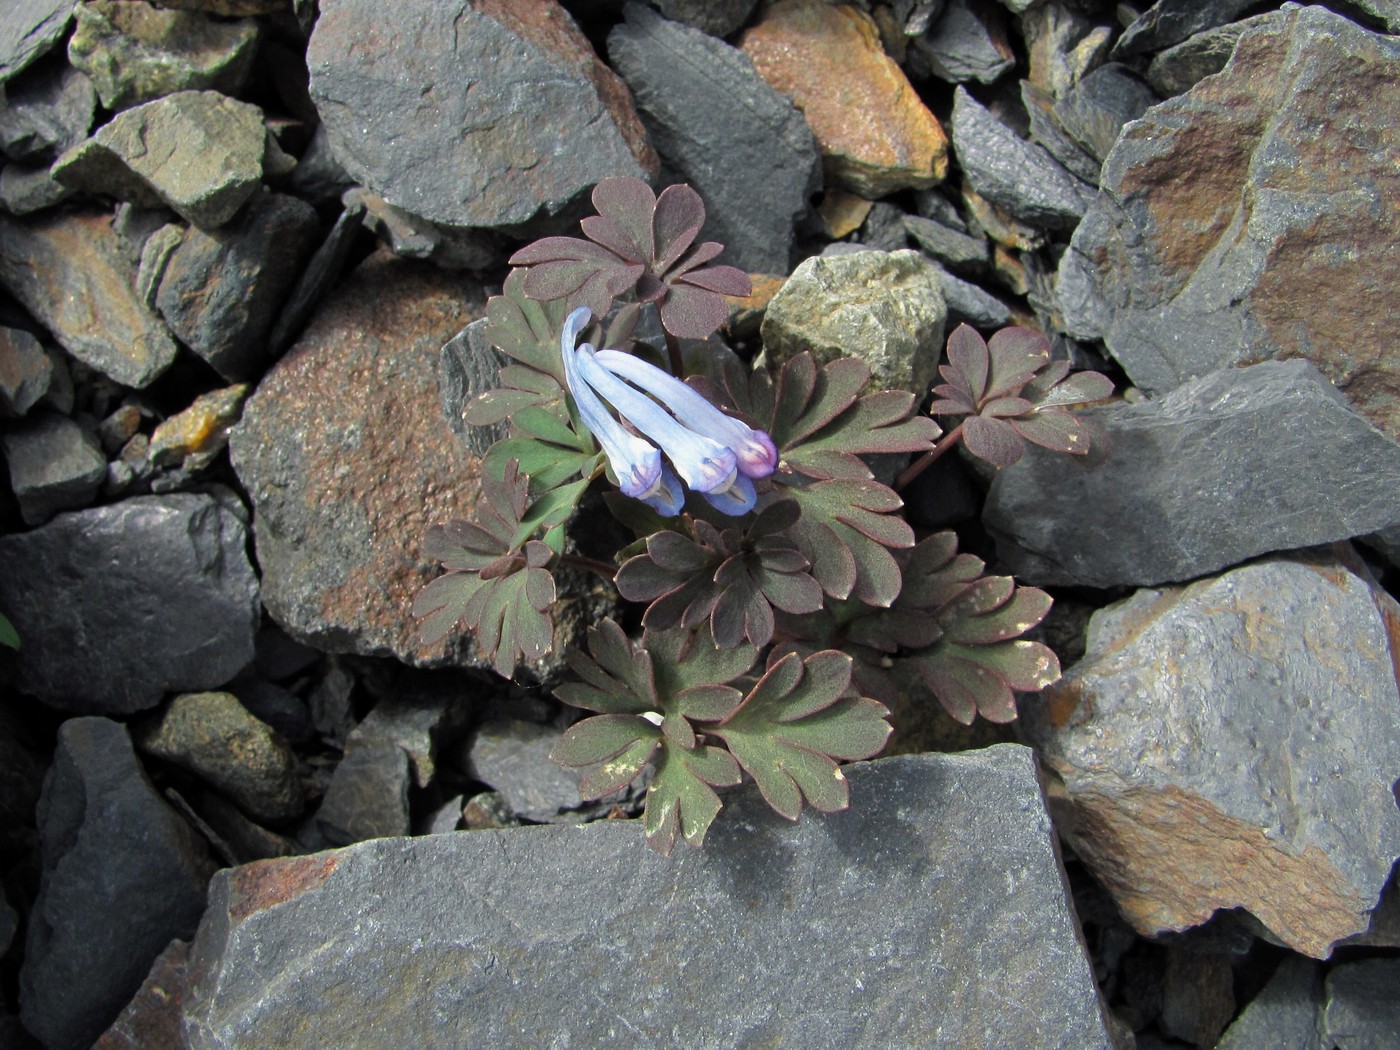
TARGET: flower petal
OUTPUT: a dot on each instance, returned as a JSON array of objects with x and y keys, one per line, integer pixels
[{"x": 737, "y": 498}]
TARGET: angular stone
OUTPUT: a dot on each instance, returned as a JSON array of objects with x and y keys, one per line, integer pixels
[
  {"x": 968, "y": 303},
  {"x": 193, "y": 438},
  {"x": 323, "y": 269},
  {"x": 221, "y": 290},
  {"x": 531, "y": 134},
  {"x": 199, "y": 153},
  {"x": 1046, "y": 131},
  {"x": 230, "y": 8},
  {"x": 1361, "y": 1011},
  {"x": 414, "y": 237},
  {"x": 28, "y": 28},
  {"x": 346, "y": 458},
  {"x": 956, "y": 250},
  {"x": 1208, "y": 476},
  {"x": 1169, "y": 22},
  {"x": 1226, "y": 215},
  {"x": 1013, "y": 173},
  {"x": 41, "y": 116},
  {"x": 368, "y": 795},
  {"x": 884, "y": 229},
  {"x": 151, "y": 1021},
  {"x": 700, "y": 100},
  {"x": 123, "y": 876},
  {"x": 716, "y": 17},
  {"x": 882, "y": 921},
  {"x": 121, "y": 604},
  {"x": 467, "y": 367},
  {"x": 1095, "y": 109},
  {"x": 874, "y": 134},
  {"x": 54, "y": 465},
  {"x": 26, "y": 371},
  {"x": 511, "y": 755},
  {"x": 1211, "y": 734},
  {"x": 70, "y": 272},
  {"x": 418, "y": 716},
  {"x": 842, "y": 213},
  {"x": 214, "y": 737},
  {"x": 885, "y": 308},
  {"x": 1063, "y": 45},
  {"x": 1181, "y": 66},
  {"x": 25, "y": 189},
  {"x": 1284, "y": 1015},
  {"x": 135, "y": 52},
  {"x": 967, "y": 42}
]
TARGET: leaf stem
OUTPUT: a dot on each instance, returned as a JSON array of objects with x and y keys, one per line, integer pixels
[
  {"x": 579, "y": 561},
  {"x": 673, "y": 352},
  {"x": 928, "y": 458}
]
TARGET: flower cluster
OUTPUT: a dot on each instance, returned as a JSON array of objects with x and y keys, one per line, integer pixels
[{"x": 715, "y": 455}]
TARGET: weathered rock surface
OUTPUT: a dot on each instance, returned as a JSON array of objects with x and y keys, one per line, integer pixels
[
  {"x": 54, "y": 465},
  {"x": 949, "y": 246},
  {"x": 368, "y": 795},
  {"x": 1206, "y": 477},
  {"x": 41, "y": 116},
  {"x": 880, "y": 925},
  {"x": 215, "y": 737},
  {"x": 123, "y": 876},
  {"x": 1210, "y": 736},
  {"x": 1012, "y": 173},
  {"x": 529, "y": 135},
  {"x": 1181, "y": 66},
  {"x": 347, "y": 460},
  {"x": 221, "y": 289},
  {"x": 28, "y": 28},
  {"x": 719, "y": 127},
  {"x": 1063, "y": 43},
  {"x": 70, "y": 272},
  {"x": 1361, "y": 1011},
  {"x": 875, "y": 135},
  {"x": 1096, "y": 108},
  {"x": 884, "y": 307},
  {"x": 1215, "y": 202},
  {"x": 1169, "y": 22},
  {"x": 468, "y": 366},
  {"x": 967, "y": 42},
  {"x": 120, "y": 604},
  {"x": 192, "y": 438},
  {"x": 136, "y": 52},
  {"x": 199, "y": 153}
]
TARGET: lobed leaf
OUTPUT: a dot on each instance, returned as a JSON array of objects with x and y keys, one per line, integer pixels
[
  {"x": 845, "y": 531},
  {"x": 680, "y": 798}
]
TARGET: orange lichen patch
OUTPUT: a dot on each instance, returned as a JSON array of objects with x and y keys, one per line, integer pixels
[
  {"x": 200, "y": 430},
  {"x": 875, "y": 134},
  {"x": 264, "y": 884},
  {"x": 1171, "y": 859}
]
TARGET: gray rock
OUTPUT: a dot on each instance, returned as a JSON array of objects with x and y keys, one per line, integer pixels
[
  {"x": 531, "y": 135},
  {"x": 221, "y": 290},
  {"x": 1383, "y": 15},
  {"x": 1181, "y": 66},
  {"x": 43, "y": 115},
  {"x": 965, "y": 43},
  {"x": 318, "y": 176},
  {"x": 717, "y": 125},
  {"x": 884, "y": 228},
  {"x": 325, "y": 267},
  {"x": 512, "y": 756},
  {"x": 1211, "y": 474},
  {"x": 215, "y": 737},
  {"x": 1284, "y": 1015},
  {"x": 151, "y": 1021},
  {"x": 280, "y": 708},
  {"x": 468, "y": 366},
  {"x": 135, "y": 53},
  {"x": 418, "y": 716},
  {"x": 446, "y": 818},
  {"x": 884, "y": 307},
  {"x": 28, "y": 28},
  {"x": 716, "y": 17},
  {"x": 199, "y": 153},
  {"x": 1217, "y": 202},
  {"x": 26, "y": 371},
  {"x": 368, "y": 795},
  {"x": 25, "y": 189},
  {"x": 1094, "y": 111},
  {"x": 70, "y": 272},
  {"x": 1248, "y": 709},
  {"x": 156, "y": 250},
  {"x": 1047, "y": 131},
  {"x": 1169, "y": 22},
  {"x": 121, "y": 604},
  {"x": 1015, "y": 174},
  {"x": 878, "y": 925},
  {"x": 955, "y": 250},
  {"x": 414, "y": 237},
  {"x": 1063, "y": 43},
  {"x": 970, "y": 304},
  {"x": 54, "y": 465},
  {"x": 1362, "y": 1011},
  {"x": 123, "y": 876}
]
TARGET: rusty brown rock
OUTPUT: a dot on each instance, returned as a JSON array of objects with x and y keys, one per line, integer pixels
[
  {"x": 875, "y": 135},
  {"x": 1254, "y": 217}
]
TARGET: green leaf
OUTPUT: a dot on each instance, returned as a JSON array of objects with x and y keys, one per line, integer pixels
[
  {"x": 551, "y": 510},
  {"x": 794, "y": 725},
  {"x": 680, "y": 798},
  {"x": 527, "y": 330},
  {"x": 845, "y": 531}
]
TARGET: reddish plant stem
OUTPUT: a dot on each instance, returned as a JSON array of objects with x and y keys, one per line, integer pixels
[
  {"x": 928, "y": 458},
  {"x": 579, "y": 561},
  {"x": 673, "y": 352}
]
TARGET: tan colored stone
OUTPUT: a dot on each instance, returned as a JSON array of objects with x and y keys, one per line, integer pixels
[
  {"x": 200, "y": 431},
  {"x": 842, "y": 212},
  {"x": 875, "y": 134}
]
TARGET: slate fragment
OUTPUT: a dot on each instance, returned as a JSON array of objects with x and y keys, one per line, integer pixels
[
  {"x": 1206, "y": 742},
  {"x": 54, "y": 464},
  {"x": 1169, "y": 22},
  {"x": 945, "y": 244},
  {"x": 151, "y": 1021},
  {"x": 368, "y": 795},
  {"x": 882, "y": 921},
  {"x": 322, "y": 270},
  {"x": 511, "y": 756},
  {"x": 26, "y": 188},
  {"x": 1206, "y": 477},
  {"x": 701, "y": 99},
  {"x": 1095, "y": 109},
  {"x": 1284, "y": 1015},
  {"x": 1361, "y": 1011},
  {"x": 967, "y": 42},
  {"x": 42, "y": 115},
  {"x": 26, "y": 371},
  {"x": 70, "y": 272},
  {"x": 28, "y": 28},
  {"x": 1216, "y": 201},
  {"x": 529, "y": 136},
  {"x": 123, "y": 876},
  {"x": 1181, "y": 66},
  {"x": 120, "y": 604},
  {"x": 468, "y": 366}
]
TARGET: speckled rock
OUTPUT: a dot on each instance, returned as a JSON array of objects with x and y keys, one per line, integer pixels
[
  {"x": 1206, "y": 742},
  {"x": 875, "y": 135},
  {"x": 54, "y": 464},
  {"x": 884, "y": 307},
  {"x": 530, "y": 136},
  {"x": 70, "y": 271}
]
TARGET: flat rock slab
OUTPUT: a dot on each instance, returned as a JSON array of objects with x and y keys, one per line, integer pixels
[
  {"x": 1206, "y": 477},
  {"x": 120, "y": 604},
  {"x": 28, "y": 28},
  {"x": 471, "y": 114},
  {"x": 889, "y": 925},
  {"x": 347, "y": 459},
  {"x": 70, "y": 271},
  {"x": 1230, "y": 231},
  {"x": 1210, "y": 738}
]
